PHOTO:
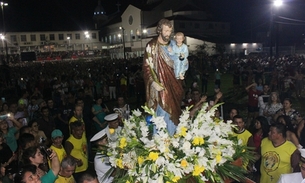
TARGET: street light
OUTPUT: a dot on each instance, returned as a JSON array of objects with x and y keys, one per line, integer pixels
[
  {"x": 2, "y": 4},
  {"x": 277, "y": 3},
  {"x": 123, "y": 35},
  {"x": 2, "y": 37}
]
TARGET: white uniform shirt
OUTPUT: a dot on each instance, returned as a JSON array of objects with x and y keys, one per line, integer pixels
[
  {"x": 101, "y": 166},
  {"x": 291, "y": 178}
]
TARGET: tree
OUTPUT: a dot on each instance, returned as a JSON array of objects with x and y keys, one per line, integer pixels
[{"x": 220, "y": 48}]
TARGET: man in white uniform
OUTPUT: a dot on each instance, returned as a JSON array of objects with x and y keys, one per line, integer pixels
[
  {"x": 298, "y": 177},
  {"x": 113, "y": 128},
  {"x": 101, "y": 160}
]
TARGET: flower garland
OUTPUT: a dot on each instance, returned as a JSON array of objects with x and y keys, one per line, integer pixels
[{"x": 203, "y": 148}]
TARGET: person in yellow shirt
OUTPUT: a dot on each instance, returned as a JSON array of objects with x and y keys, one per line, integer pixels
[
  {"x": 242, "y": 134},
  {"x": 279, "y": 156},
  {"x": 78, "y": 115},
  {"x": 57, "y": 137},
  {"x": 76, "y": 147},
  {"x": 67, "y": 168}
]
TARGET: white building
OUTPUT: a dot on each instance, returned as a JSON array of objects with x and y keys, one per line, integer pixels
[
  {"x": 138, "y": 27},
  {"x": 51, "y": 41}
]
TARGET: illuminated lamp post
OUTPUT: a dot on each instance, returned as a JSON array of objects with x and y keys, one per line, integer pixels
[
  {"x": 276, "y": 4},
  {"x": 2, "y": 4},
  {"x": 123, "y": 40}
]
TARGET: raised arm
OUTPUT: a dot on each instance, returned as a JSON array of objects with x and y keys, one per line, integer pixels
[
  {"x": 55, "y": 164},
  {"x": 16, "y": 123}
]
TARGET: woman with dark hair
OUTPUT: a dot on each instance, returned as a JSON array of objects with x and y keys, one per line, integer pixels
[
  {"x": 290, "y": 134},
  {"x": 39, "y": 135},
  {"x": 261, "y": 130},
  {"x": 99, "y": 110},
  {"x": 4, "y": 109},
  {"x": 287, "y": 111},
  {"x": 28, "y": 174},
  {"x": 33, "y": 156},
  {"x": 9, "y": 133}
]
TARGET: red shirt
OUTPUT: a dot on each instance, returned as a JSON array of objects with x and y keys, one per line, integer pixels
[{"x": 253, "y": 98}]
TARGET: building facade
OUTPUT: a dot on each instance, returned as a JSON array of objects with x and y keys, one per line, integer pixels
[
  {"x": 50, "y": 41},
  {"x": 136, "y": 27}
]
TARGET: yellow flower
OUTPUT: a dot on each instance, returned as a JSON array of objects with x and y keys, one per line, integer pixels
[
  {"x": 175, "y": 179},
  {"x": 119, "y": 163},
  {"x": 183, "y": 131},
  {"x": 127, "y": 181},
  {"x": 183, "y": 163},
  {"x": 123, "y": 143},
  {"x": 218, "y": 158},
  {"x": 198, "y": 170},
  {"x": 153, "y": 156},
  {"x": 140, "y": 160},
  {"x": 111, "y": 130},
  {"x": 198, "y": 141}
]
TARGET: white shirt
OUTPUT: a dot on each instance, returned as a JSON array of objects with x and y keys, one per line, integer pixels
[
  {"x": 101, "y": 166},
  {"x": 291, "y": 178}
]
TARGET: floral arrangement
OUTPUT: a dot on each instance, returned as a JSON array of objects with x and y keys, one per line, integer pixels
[{"x": 202, "y": 149}]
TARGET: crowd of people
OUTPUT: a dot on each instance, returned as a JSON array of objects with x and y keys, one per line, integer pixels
[
  {"x": 61, "y": 113},
  {"x": 50, "y": 143}
]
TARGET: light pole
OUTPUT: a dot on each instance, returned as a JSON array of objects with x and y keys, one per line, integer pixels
[
  {"x": 123, "y": 35},
  {"x": 68, "y": 38},
  {"x": 2, "y": 4},
  {"x": 274, "y": 27},
  {"x": 144, "y": 32},
  {"x": 87, "y": 36}
]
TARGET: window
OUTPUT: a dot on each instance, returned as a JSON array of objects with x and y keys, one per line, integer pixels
[
  {"x": 13, "y": 38},
  {"x": 52, "y": 37},
  {"x": 77, "y": 36},
  {"x": 23, "y": 38},
  {"x": 33, "y": 37},
  {"x": 93, "y": 35},
  {"x": 132, "y": 37},
  {"x": 60, "y": 36},
  {"x": 109, "y": 41},
  {"x": 42, "y": 37},
  {"x": 69, "y": 35}
]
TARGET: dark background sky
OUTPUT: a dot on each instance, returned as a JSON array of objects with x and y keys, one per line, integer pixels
[{"x": 246, "y": 16}]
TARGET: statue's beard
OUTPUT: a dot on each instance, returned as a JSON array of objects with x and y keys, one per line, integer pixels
[{"x": 165, "y": 38}]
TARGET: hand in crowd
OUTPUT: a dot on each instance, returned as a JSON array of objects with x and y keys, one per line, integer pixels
[
  {"x": 53, "y": 154},
  {"x": 79, "y": 162},
  {"x": 218, "y": 95}
]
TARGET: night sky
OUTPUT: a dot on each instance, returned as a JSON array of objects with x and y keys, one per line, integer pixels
[{"x": 246, "y": 16}]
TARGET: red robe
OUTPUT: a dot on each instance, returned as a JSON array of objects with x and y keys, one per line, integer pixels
[{"x": 159, "y": 67}]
